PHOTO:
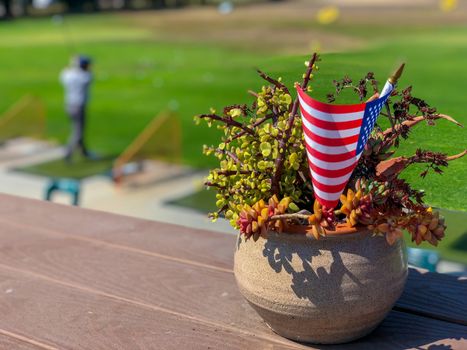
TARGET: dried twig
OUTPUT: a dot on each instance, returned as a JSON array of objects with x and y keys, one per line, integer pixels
[
  {"x": 255, "y": 124},
  {"x": 235, "y": 172},
  {"x": 456, "y": 156},
  {"x": 228, "y": 121},
  {"x": 275, "y": 82},
  {"x": 294, "y": 216},
  {"x": 279, "y": 164},
  {"x": 390, "y": 168},
  {"x": 414, "y": 121}
]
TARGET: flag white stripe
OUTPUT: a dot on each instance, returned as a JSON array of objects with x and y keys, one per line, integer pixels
[
  {"x": 331, "y": 181},
  {"x": 330, "y": 149},
  {"x": 330, "y": 165},
  {"x": 387, "y": 88},
  {"x": 331, "y": 117},
  {"x": 329, "y": 196},
  {"x": 331, "y": 134}
]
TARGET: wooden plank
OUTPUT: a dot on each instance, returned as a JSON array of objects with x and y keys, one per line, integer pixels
[
  {"x": 147, "y": 236},
  {"x": 435, "y": 295},
  {"x": 213, "y": 249},
  {"x": 74, "y": 318},
  {"x": 83, "y": 319},
  {"x": 406, "y": 331},
  {"x": 177, "y": 286},
  {"x": 173, "y": 288},
  {"x": 17, "y": 342}
]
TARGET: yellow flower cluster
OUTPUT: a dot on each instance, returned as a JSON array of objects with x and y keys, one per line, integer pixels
[{"x": 257, "y": 220}]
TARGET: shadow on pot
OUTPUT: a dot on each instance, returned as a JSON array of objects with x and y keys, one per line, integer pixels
[
  {"x": 343, "y": 287},
  {"x": 308, "y": 283}
]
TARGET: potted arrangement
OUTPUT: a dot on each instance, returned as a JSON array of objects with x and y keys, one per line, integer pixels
[{"x": 316, "y": 194}]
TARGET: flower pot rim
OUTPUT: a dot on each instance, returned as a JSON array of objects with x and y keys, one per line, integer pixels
[{"x": 341, "y": 230}]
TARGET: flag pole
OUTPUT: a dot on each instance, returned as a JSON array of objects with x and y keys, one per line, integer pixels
[
  {"x": 392, "y": 80},
  {"x": 397, "y": 74},
  {"x": 388, "y": 87}
]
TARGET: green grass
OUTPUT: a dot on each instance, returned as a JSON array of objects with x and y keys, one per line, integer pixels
[
  {"x": 202, "y": 201},
  {"x": 136, "y": 76},
  {"x": 79, "y": 169}
]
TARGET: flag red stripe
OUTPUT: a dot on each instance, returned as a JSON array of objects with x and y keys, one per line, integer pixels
[
  {"x": 329, "y": 188},
  {"x": 327, "y": 108},
  {"x": 327, "y": 130},
  {"x": 329, "y": 157},
  {"x": 331, "y": 142},
  {"x": 331, "y": 173},
  {"x": 326, "y": 203},
  {"x": 331, "y": 125}
]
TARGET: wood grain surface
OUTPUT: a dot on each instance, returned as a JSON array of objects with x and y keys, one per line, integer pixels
[
  {"x": 435, "y": 295},
  {"x": 79, "y": 317},
  {"x": 177, "y": 286},
  {"x": 120, "y": 231},
  {"x": 14, "y": 341},
  {"x": 427, "y": 294},
  {"x": 80, "y": 279}
]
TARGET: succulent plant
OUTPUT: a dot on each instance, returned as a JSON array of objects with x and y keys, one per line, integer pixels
[
  {"x": 262, "y": 158},
  {"x": 260, "y": 218}
]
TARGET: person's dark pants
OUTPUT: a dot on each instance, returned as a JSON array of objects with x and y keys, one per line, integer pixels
[{"x": 76, "y": 141}]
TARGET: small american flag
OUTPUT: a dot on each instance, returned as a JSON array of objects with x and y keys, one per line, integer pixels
[{"x": 335, "y": 136}]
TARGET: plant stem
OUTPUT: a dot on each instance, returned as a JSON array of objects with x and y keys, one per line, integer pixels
[
  {"x": 275, "y": 82},
  {"x": 212, "y": 184},
  {"x": 279, "y": 164},
  {"x": 252, "y": 93},
  {"x": 296, "y": 216},
  {"x": 258, "y": 122},
  {"x": 228, "y": 121},
  {"x": 305, "y": 181},
  {"x": 234, "y": 172},
  {"x": 230, "y": 154},
  {"x": 290, "y": 216},
  {"x": 456, "y": 156}
]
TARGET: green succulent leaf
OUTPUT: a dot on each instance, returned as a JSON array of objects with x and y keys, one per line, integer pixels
[{"x": 265, "y": 149}]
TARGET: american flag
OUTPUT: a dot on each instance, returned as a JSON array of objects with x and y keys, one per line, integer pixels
[{"x": 335, "y": 136}]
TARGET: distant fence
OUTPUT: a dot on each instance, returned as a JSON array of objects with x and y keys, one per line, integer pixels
[
  {"x": 25, "y": 118},
  {"x": 160, "y": 140}
]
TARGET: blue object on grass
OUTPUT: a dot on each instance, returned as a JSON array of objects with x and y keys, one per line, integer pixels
[
  {"x": 63, "y": 185},
  {"x": 424, "y": 258}
]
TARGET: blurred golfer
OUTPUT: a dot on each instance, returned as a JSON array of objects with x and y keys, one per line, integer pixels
[{"x": 76, "y": 79}]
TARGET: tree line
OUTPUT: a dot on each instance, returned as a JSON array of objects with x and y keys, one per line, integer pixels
[{"x": 15, "y": 8}]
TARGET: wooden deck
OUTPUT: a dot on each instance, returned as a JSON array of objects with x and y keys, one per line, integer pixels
[{"x": 79, "y": 279}]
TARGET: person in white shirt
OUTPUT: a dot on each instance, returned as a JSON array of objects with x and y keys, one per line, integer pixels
[{"x": 76, "y": 81}]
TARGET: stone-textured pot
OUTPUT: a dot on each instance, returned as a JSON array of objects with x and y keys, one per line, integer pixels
[{"x": 327, "y": 291}]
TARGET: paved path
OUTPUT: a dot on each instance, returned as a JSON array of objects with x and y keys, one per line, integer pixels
[{"x": 98, "y": 192}]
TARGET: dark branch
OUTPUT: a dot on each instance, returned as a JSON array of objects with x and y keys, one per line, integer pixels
[
  {"x": 279, "y": 164},
  {"x": 234, "y": 172},
  {"x": 230, "y": 154},
  {"x": 275, "y": 82},
  {"x": 228, "y": 121},
  {"x": 255, "y": 124}
]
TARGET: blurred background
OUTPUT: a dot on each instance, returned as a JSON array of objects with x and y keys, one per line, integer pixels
[{"x": 158, "y": 63}]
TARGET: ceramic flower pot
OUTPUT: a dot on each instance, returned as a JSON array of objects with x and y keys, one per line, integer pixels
[{"x": 328, "y": 291}]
